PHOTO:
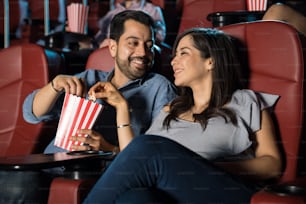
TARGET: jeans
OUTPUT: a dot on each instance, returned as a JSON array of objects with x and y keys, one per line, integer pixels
[{"x": 154, "y": 162}]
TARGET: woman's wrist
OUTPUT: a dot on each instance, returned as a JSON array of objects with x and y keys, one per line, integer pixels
[
  {"x": 124, "y": 125},
  {"x": 123, "y": 106},
  {"x": 123, "y": 112}
]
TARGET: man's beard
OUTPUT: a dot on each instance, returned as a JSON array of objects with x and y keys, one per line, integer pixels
[{"x": 129, "y": 71}]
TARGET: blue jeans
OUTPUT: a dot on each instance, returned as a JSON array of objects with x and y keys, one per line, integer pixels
[{"x": 154, "y": 162}]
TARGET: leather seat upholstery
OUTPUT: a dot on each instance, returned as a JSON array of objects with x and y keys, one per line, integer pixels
[
  {"x": 23, "y": 69},
  {"x": 274, "y": 55}
]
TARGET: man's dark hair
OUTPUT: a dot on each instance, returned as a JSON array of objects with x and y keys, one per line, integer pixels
[{"x": 117, "y": 23}]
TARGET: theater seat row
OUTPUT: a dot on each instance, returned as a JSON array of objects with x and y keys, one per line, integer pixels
[
  {"x": 179, "y": 15},
  {"x": 273, "y": 58}
]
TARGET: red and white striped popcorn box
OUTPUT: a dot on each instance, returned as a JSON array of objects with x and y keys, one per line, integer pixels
[
  {"x": 77, "y": 113},
  {"x": 77, "y": 15},
  {"x": 257, "y": 5}
]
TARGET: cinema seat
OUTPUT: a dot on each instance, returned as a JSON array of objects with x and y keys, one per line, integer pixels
[
  {"x": 23, "y": 69},
  {"x": 194, "y": 12},
  {"x": 100, "y": 59},
  {"x": 274, "y": 54}
]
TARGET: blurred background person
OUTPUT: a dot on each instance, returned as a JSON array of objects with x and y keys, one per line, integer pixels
[{"x": 154, "y": 11}]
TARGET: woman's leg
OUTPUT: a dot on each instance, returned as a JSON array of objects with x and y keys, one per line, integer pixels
[
  {"x": 156, "y": 162},
  {"x": 145, "y": 196}
]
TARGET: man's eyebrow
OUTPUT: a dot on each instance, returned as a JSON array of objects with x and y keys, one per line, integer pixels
[
  {"x": 131, "y": 37},
  {"x": 136, "y": 38}
]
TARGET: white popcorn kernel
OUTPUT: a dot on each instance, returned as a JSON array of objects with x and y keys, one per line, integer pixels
[{"x": 92, "y": 98}]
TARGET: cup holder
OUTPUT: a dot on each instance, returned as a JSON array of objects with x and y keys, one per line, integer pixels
[{"x": 286, "y": 189}]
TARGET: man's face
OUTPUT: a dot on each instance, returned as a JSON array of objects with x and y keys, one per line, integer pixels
[{"x": 134, "y": 52}]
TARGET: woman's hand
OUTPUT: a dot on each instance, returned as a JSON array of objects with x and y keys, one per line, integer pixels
[
  {"x": 109, "y": 93},
  {"x": 69, "y": 84}
]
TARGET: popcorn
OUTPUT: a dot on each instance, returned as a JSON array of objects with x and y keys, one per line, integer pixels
[
  {"x": 77, "y": 113},
  {"x": 257, "y": 5},
  {"x": 92, "y": 98},
  {"x": 77, "y": 15}
]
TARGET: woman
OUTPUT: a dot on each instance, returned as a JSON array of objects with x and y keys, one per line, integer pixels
[{"x": 204, "y": 146}]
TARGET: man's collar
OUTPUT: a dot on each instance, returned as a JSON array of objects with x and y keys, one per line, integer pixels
[{"x": 140, "y": 81}]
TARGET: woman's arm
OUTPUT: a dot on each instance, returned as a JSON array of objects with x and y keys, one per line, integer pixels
[
  {"x": 106, "y": 91},
  {"x": 267, "y": 163}
]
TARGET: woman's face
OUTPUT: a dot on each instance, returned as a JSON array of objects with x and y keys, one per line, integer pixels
[{"x": 189, "y": 67}]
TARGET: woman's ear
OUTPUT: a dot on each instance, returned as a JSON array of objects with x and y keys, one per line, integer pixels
[
  {"x": 112, "y": 47},
  {"x": 210, "y": 63}
]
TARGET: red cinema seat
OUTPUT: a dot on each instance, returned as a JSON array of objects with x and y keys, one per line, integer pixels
[
  {"x": 275, "y": 58},
  {"x": 194, "y": 12},
  {"x": 24, "y": 68},
  {"x": 100, "y": 59}
]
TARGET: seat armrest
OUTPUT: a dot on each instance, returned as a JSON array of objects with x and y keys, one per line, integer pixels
[
  {"x": 64, "y": 190},
  {"x": 283, "y": 193}
]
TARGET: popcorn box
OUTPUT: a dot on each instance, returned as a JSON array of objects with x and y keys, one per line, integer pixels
[
  {"x": 257, "y": 5},
  {"x": 77, "y": 15},
  {"x": 77, "y": 113}
]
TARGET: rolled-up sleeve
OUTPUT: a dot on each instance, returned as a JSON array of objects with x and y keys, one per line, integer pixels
[{"x": 29, "y": 116}]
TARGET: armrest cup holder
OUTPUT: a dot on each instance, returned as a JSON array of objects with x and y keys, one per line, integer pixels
[{"x": 286, "y": 189}]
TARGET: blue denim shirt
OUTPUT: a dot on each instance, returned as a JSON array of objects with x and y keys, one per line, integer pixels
[{"x": 146, "y": 97}]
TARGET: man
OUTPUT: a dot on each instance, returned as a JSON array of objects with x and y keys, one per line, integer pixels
[{"x": 131, "y": 44}]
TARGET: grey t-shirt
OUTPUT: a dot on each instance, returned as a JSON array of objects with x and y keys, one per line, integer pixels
[{"x": 220, "y": 139}]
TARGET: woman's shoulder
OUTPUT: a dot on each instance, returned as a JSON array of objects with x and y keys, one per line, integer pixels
[
  {"x": 243, "y": 96},
  {"x": 247, "y": 97}
]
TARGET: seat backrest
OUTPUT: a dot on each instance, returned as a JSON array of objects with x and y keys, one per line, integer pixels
[
  {"x": 100, "y": 59},
  {"x": 194, "y": 12},
  {"x": 14, "y": 12},
  {"x": 14, "y": 15},
  {"x": 276, "y": 65},
  {"x": 37, "y": 9},
  {"x": 24, "y": 68}
]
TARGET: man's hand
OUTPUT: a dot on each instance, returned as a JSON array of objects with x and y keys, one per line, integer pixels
[{"x": 70, "y": 84}]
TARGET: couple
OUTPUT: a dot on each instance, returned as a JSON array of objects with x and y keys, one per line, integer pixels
[{"x": 200, "y": 147}]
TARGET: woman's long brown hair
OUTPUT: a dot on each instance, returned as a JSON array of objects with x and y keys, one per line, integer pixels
[{"x": 226, "y": 77}]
